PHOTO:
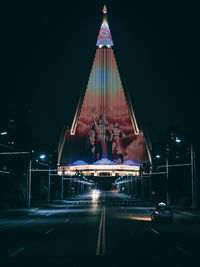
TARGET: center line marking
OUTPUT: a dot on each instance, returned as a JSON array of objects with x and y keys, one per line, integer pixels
[
  {"x": 67, "y": 220},
  {"x": 16, "y": 252},
  {"x": 48, "y": 232},
  {"x": 155, "y": 232},
  {"x": 101, "y": 235},
  {"x": 103, "y": 239}
]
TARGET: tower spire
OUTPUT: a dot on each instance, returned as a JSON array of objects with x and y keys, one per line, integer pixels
[
  {"x": 104, "y": 9},
  {"x": 104, "y": 37}
]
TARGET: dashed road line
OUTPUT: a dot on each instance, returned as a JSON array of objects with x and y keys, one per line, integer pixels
[
  {"x": 30, "y": 221},
  {"x": 176, "y": 221},
  {"x": 155, "y": 232},
  {"x": 48, "y": 232},
  {"x": 187, "y": 213},
  {"x": 101, "y": 247},
  {"x": 67, "y": 220},
  {"x": 16, "y": 252},
  {"x": 183, "y": 251}
]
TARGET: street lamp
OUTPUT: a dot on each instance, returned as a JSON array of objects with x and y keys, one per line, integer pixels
[
  {"x": 177, "y": 140},
  {"x": 193, "y": 177},
  {"x": 4, "y": 133},
  {"x": 42, "y": 156}
]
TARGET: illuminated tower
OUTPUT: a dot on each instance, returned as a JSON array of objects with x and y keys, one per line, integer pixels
[{"x": 104, "y": 124}]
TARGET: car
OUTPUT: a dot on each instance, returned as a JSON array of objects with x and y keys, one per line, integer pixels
[{"x": 162, "y": 212}]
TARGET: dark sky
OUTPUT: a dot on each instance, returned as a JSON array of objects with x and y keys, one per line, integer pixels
[{"x": 48, "y": 47}]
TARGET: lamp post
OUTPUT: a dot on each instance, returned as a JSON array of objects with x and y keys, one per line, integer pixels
[
  {"x": 49, "y": 187},
  {"x": 61, "y": 189},
  {"x": 43, "y": 156},
  {"x": 29, "y": 185},
  {"x": 193, "y": 174},
  {"x": 193, "y": 178},
  {"x": 167, "y": 178}
]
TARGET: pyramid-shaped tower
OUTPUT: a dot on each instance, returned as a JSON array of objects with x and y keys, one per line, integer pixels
[{"x": 104, "y": 125}]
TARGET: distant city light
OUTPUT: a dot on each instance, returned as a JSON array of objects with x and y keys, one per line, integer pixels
[
  {"x": 157, "y": 156},
  {"x": 4, "y": 133},
  {"x": 178, "y": 140}
]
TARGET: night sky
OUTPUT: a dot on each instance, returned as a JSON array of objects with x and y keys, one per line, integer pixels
[{"x": 48, "y": 47}]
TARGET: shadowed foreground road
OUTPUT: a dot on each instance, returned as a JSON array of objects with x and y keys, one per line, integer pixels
[{"x": 111, "y": 230}]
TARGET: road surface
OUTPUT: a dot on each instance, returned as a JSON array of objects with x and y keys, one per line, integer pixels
[{"x": 105, "y": 230}]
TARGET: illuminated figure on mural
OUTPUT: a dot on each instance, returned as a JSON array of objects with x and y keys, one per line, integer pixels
[
  {"x": 102, "y": 141},
  {"x": 118, "y": 146},
  {"x": 91, "y": 143},
  {"x": 100, "y": 132},
  {"x": 109, "y": 139}
]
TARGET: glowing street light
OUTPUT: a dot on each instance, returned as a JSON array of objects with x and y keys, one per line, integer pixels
[
  {"x": 4, "y": 133},
  {"x": 178, "y": 140},
  {"x": 42, "y": 156}
]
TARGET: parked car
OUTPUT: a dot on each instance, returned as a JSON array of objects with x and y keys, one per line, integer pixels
[{"x": 162, "y": 212}]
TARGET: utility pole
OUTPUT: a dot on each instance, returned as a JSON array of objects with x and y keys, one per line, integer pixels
[
  {"x": 142, "y": 187},
  {"x": 193, "y": 177},
  {"x": 61, "y": 193},
  {"x": 29, "y": 185},
  {"x": 49, "y": 187},
  {"x": 150, "y": 188},
  {"x": 167, "y": 178},
  {"x": 136, "y": 189}
]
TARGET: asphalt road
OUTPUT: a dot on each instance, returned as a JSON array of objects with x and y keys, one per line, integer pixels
[{"x": 110, "y": 230}]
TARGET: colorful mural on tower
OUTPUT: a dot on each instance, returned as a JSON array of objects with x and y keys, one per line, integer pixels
[
  {"x": 104, "y": 128},
  {"x": 104, "y": 125}
]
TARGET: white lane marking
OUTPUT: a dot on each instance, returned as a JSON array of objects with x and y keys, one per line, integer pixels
[
  {"x": 183, "y": 251},
  {"x": 155, "y": 232},
  {"x": 16, "y": 252},
  {"x": 176, "y": 221},
  {"x": 67, "y": 220},
  {"x": 29, "y": 221},
  {"x": 48, "y": 232},
  {"x": 100, "y": 234},
  {"x": 103, "y": 238},
  {"x": 187, "y": 213}
]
